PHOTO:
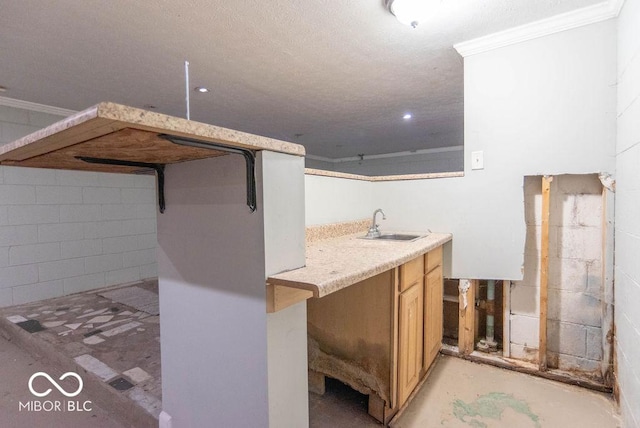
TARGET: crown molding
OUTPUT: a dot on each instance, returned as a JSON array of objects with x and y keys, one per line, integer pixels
[
  {"x": 27, "y": 105},
  {"x": 616, "y": 5},
  {"x": 387, "y": 155},
  {"x": 555, "y": 24}
]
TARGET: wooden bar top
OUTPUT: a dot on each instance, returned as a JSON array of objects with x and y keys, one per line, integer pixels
[{"x": 113, "y": 131}]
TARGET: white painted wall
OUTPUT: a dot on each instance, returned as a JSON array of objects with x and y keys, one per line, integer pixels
[
  {"x": 544, "y": 106},
  {"x": 63, "y": 232},
  {"x": 333, "y": 200},
  {"x": 318, "y": 164},
  {"x": 419, "y": 163},
  {"x": 423, "y": 162},
  {"x": 627, "y": 214}
]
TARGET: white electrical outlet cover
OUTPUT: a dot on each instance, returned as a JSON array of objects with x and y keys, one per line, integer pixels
[{"x": 477, "y": 160}]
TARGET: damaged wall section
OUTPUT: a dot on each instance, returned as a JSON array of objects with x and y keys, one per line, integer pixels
[{"x": 574, "y": 338}]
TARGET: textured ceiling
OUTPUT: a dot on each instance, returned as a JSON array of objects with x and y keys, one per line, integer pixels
[{"x": 336, "y": 76}]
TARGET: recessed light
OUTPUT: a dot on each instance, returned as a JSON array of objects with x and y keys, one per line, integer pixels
[
  {"x": 201, "y": 89},
  {"x": 407, "y": 116}
]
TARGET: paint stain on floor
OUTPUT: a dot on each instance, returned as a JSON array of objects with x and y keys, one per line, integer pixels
[
  {"x": 491, "y": 406},
  {"x": 463, "y": 394}
]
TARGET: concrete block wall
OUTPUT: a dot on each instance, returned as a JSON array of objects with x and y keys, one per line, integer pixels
[
  {"x": 574, "y": 337},
  {"x": 627, "y": 214},
  {"x": 63, "y": 232}
]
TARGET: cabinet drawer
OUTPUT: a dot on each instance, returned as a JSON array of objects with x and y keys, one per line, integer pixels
[
  {"x": 434, "y": 259},
  {"x": 411, "y": 272}
]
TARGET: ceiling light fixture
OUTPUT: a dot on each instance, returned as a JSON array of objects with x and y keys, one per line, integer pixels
[
  {"x": 201, "y": 89},
  {"x": 407, "y": 116},
  {"x": 409, "y": 12}
]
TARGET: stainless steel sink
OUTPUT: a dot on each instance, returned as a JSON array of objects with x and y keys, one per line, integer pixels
[{"x": 394, "y": 237}]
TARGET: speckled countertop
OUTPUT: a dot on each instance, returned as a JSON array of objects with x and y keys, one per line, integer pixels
[
  {"x": 334, "y": 264},
  {"x": 114, "y": 131}
]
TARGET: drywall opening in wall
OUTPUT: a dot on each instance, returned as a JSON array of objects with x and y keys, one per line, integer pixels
[
  {"x": 489, "y": 325},
  {"x": 473, "y": 314},
  {"x": 574, "y": 277},
  {"x": 450, "y": 317}
]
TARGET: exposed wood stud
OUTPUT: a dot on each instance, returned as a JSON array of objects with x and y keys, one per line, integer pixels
[
  {"x": 506, "y": 318},
  {"x": 544, "y": 271},
  {"x": 466, "y": 325}
]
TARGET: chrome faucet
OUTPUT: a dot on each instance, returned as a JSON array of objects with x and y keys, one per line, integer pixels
[{"x": 374, "y": 232}]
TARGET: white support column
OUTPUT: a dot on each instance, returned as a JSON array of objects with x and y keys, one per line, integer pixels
[
  {"x": 211, "y": 265},
  {"x": 284, "y": 241},
  {"x": 224, "y": 360}
]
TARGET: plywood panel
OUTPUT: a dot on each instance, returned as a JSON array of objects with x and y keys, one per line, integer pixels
[
  {"x": 354, "y": 324},
  {"x": 126, "y": 144},
  {"x": 72, "y": 130},
  {"x": 105, "y": 118}
]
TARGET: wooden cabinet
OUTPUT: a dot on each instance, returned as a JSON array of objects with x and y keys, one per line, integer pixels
[
  {"x": 433, "y": 297},
  {"x": 379, "y": 336},
  {"x": 410, "y": 347}
]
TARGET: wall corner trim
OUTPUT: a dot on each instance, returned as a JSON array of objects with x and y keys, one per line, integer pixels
[
  {"x": 165, "y": 420},
  {"x": 42, "y": 108},
  {"x": 544, "y": 27}
]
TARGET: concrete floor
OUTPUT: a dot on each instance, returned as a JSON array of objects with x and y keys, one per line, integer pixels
[
  {"x": 115, "y": 347},
  {"x": 459, "y": 394},
  {"x": 109, "y": 337},
  {"x": 16, "y": 367}
]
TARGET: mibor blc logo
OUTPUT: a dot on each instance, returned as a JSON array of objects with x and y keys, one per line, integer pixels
[
  {"x": 54, "y": 383},
  {"x": 55, "y": 405}
]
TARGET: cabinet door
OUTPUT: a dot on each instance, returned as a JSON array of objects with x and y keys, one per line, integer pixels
[
  {"x": 410, "y": 341},
  {"x": 433, "y": 314}
]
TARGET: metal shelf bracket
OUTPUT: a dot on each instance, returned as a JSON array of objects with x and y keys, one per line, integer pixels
[
  {"x": 157, "y": 167},
  {"x": 249, "y": 158}
]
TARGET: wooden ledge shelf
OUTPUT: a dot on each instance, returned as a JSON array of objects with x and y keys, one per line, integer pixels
[{"x": 280, "y": 297}]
